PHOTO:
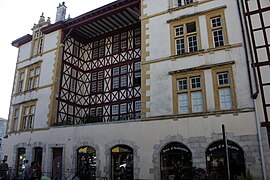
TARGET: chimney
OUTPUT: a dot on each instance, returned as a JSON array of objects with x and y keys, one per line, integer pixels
[{"x": 61, "y": 12}]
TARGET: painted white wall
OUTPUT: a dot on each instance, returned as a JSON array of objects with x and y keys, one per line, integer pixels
[{"x": 24, "y": 51}]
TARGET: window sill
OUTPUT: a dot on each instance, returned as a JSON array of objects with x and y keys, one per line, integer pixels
[{"x": 174, "y": 57}]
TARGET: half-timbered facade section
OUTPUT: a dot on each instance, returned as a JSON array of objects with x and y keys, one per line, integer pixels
[
  {"x": 100, "y": 77},
  {"x": 256, "y": 14}
]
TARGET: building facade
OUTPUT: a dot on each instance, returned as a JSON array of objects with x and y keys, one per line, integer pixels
[
  {"x": 3, "y": 126},
  {"x": 133, "y": 90}
]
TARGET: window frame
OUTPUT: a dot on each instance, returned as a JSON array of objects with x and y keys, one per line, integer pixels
[
  {"x": 34, "y": 78},
  {"x": 30, "y": 117},
  {"x": 183, "y": 22},
  {"x": 211, "y": 15},
  {"x": 15, "y": 119},
  {"x": 216, "y": 86},
  {"x": 37, "y": 42},
  {"x": 189, "y": 90},
  {"x": 20, "y": 85}
]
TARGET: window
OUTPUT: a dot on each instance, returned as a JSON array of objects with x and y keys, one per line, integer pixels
[
  {"x": 14, "y": 126},
  {"x": 28, "y": 116},
  {"x": 124, "y": 41},
  {"x": 21, "y": 156},
  {"x": 86, "y": 161},
  {"x": 37, "y": 42},
  {"x": 216, "y": 29},
  {"x": 33, "y": 76},
  {"x": 119, "y": 77},
  {"x": 223, "y": 88},
  {"x": 122, "y": 162},
  {"x": 21, "y": 81},
  {"x": 123, "y": 108},
  {"x": 137, "y": 38},
  {"x": 185, "y": 37},
  {"x": 178, "y": 3},
  {"x": 190, "y": 94},
  {"x": 115, "y": 112},
  {"x": 137, "y": 73},
  {"x": 97, "y": 83}
]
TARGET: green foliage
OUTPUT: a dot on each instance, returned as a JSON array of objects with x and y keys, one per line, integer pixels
[{"x": 247, "y": 177}]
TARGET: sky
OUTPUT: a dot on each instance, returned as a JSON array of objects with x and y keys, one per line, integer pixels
[{"x": 17, "y": 18}]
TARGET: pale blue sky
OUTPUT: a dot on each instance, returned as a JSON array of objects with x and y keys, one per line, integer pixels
[{"x": 17, "y": 18}]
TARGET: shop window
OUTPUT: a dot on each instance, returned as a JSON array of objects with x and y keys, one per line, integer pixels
[
  {"x": 38, "y": 41},
  {"x": 216, "y": 29},
  {"x": 20, "y": 161},
  {"x": 174, "y": 158},
  {"x": 185, "y": 36},
  {"x": 38, "y": 155},
  {"x": 86, "y": 162},
  {"x": 122, "y": 162},
  {"x": 190, "y": 93},
  {"x": 223, "y": 88},
  {"x": 215, "y": 160}
]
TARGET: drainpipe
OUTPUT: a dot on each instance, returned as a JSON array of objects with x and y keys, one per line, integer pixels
[{"x": 253, "y": 95}]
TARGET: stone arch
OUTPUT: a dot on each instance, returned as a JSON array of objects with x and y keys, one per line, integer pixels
[
  {"x": 82, "y": 144},
  {"x": 216, "y": 163},
  {"x": 136, "y": 157}
]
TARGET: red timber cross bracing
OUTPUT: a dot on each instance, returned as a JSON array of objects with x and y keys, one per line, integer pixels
[
  {"x": 257, "y": 15},
  {"x": 101, "y": 70}
]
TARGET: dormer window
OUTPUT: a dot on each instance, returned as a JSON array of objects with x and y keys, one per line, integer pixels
[{"x": 37, "y": 42}]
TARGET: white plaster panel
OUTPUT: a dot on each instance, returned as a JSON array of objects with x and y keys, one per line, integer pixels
[
  {"x": 266, "y": 90},
  {"x": 47, "y": 69},
  {"x": 264, "y": 3},
  {"x": 252, "y": 5},
  {"x": 210, "y": 101},
  {"x": 266, "y": 18},
  {"x": 158, "y": 34},
  {"x": 50, "y": 41},
  {"x": 256, "y": 21},
  {"x": 24, "y": 52},
  {"x": 154, "y": 7},
  {"x": 262, "y": 54},
  {"x": 259, "y": 39},
  {"x": 42, "y": 108},
  {"x": 233, "y": 23},
  {"x": 203, "y": 32},
  {"x": 265, "y": 71},
  {"x": 161, "y": 103}
]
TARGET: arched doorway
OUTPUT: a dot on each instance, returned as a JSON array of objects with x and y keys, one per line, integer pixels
[
  {"x": 122, "y": 162},
  {"x": 86, "y": 162},
  {"x": 175, "y": 159},
  {"x": 215, "y": 160}
]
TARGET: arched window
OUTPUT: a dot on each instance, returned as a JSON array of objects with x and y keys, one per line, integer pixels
[
  {"x": 20, "y": 160},
  {"x": 216, "y": 164},
  {"x": 122, "y": 162},
  {"x": 175, "y": 158},
  {"x": 86, "y": 162},
  {"x": 38, "y": 155}
]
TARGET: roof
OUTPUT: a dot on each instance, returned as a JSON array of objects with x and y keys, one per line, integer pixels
[
  {"x": 22, "y": 40},
  {"x": 113, "y": 16}
]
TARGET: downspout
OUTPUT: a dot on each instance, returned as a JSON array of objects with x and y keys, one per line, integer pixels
[{"x": 255, "y": 94}]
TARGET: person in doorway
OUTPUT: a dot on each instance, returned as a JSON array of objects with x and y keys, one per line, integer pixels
[
  {"x": 26, "y": 175},
  {"x": 35, "y": 171},
  {"x": 3, "y": 170}
]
